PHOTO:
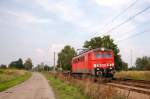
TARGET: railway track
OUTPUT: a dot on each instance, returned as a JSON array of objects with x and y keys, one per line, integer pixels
[
  {"x": 135, "y": 83},
  {"x": 139, "y": 86}
]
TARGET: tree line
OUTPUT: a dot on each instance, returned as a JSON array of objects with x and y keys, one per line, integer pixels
[
  {"x": 43, "y": 67},
  {"x": 27, "y": 65},
  {"x": 141, "y": 63},
  {"x": 18, "y": 64}
]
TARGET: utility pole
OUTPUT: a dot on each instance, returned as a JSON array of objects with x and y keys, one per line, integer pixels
[
  {"x": 131, "y": 57},
  {"x": 54, "y": 62}
]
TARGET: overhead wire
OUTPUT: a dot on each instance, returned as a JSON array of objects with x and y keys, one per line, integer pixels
[
  {"x": 134, "y": 35},
  {"x": 129, "y": 19},
  {"x": 122, "y": 12}
]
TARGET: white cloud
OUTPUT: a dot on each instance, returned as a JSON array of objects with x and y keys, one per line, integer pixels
[
  {"x": 112, "y": 3},
  {"x": 67, "y": 11},
  {"x": 26, "y": 17}
]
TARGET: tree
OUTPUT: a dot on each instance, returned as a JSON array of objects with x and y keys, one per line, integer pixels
[
  {"x": 107, "y": 42},
  {"x": 28, "y": 64},
  {"x": 20, "y": 64},
  {"x": 2, "y": 66},
  {"x": 46, "y": 67},
  {"x": 17, "y": 64},
  {"x": 65, "y": 57},
  {"x": 43, "y": 67},
  {"x": 38, "y": 67},
  {"x": 143, "y": 63}
]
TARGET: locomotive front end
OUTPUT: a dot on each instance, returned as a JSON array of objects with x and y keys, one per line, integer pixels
[{"x": 103, "y": 63}]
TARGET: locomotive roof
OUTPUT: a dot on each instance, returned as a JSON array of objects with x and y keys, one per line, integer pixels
[{"x": 93, "y": 50}]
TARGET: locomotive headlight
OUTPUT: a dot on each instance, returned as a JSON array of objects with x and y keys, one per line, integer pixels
[
  {"x": 94, "y": 65},
  {"x": 102, "y": 48}
]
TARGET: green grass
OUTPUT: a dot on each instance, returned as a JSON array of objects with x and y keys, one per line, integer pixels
[
  {"x": 63, "y": 90},
  {"x": 137, "y": 75},
  {"x": 10, "y": 78}
]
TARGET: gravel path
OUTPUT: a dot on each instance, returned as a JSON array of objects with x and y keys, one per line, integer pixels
[{"x": 36, "y": 87}]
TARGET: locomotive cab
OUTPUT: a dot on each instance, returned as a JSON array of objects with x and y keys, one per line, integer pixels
[{"x": 103, "y": 63}]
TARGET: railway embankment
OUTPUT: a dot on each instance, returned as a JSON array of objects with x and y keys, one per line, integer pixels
[{"x": 74, "y": 87}]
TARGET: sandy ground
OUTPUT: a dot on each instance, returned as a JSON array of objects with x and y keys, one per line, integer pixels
[{"x": 36, "y": 87}]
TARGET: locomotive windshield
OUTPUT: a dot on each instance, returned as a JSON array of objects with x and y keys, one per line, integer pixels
[{"x": 103, "y": 55}]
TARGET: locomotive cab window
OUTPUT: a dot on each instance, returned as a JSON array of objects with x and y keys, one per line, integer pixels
[
  {"x": 103, "y": 55},
  {"x": 108, "y": 55},
  {"x": 98, "y": 55}
]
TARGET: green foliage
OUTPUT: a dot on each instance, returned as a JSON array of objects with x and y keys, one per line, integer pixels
[
  {"x": 132, "y": 68},
  {"x": 28, "y": 64},
  {"x": 107, "y": 42},
  {"x": 17, "y": 64},
  {"x": 143, "y": 63},
  {"x": 2, "y": 66},
  {"x": 65, "y": 57}
]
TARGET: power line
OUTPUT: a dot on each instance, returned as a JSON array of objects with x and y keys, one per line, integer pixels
[
  {"x": 122, "y": 12},
  {"x": 138, "y": 26},
  {"x": 128, "y": 19},
  {"x": 134, "y": 35}
]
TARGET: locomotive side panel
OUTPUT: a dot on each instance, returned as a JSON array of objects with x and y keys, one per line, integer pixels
[
  {"x": 90, "y": 62},
  {"x": 79, "y": 64}
]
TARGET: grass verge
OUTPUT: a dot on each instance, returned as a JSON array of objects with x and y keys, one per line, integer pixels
[
  {"x": 14, "y": 80},
  {"x": 63, "y": 90}
]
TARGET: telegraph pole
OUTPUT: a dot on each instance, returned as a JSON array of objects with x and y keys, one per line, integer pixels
[
  {"x": 131, "y": 57},
  {"x": 54, "y": 62}
]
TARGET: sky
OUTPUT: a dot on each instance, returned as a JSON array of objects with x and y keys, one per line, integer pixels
[{"x": 37, "y": 28}]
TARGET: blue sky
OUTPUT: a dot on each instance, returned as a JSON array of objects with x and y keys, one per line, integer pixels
[{"x": 37, "y": 28}]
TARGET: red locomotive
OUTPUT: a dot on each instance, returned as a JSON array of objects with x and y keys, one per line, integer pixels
[{"x": 96, "y": 62}]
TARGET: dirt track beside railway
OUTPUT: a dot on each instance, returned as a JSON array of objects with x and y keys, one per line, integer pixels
[{"x": 36, "y": 87}]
